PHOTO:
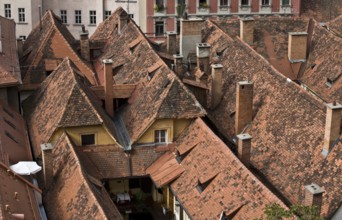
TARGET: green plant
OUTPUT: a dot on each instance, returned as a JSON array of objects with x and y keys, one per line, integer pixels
[
  {"x": 180, "y": 10},
  {"x": 158, "y": 7},
  {"x": 276, "y": 212},
  {"x": 204, "y": 5}
]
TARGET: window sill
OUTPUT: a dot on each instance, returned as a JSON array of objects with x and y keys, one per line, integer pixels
[
  {"x": 285, "y": 6},
  {"x": 22, "y": 23},
  {"x": 265, "y": 6},
  {"x": 91, "y": 25}
]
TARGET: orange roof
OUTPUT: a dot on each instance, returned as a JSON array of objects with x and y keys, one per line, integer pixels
[
  {"x": 74, "y": 193},
  {"x": 230, "y": 186},
  {"x": 52, "y": 42}
]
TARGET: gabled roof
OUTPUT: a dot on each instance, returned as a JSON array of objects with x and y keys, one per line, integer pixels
[
  {"x": 270, "y": 39},
  {"x": 49, "y": 42},
  {"x": 159, "y": 93},
  {"x": 227, "y": 185},
  {"x": 287, "y": 127},
  {"x": 9, "y": 62},
  {"x": 323, "y": 71},
  {"x": 74, "y": 194},
  {"x": 14, "y": 143},
  {"x": 64, "y": 99},
  {"x": 18, "y": 195}
]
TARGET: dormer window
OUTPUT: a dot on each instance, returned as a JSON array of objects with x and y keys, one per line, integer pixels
[
  {"x": 160, "y": 136},
  {"x": 87, "y": 139}
]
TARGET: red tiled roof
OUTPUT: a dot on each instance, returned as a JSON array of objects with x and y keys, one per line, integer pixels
[
  {"x": 74, "y": 194},
  {"x": 14, "y": 143},
  {"x": 321, "y": 10},
  {"x": 9, "y": 62},
  {"x": 46, "y": 110},
  {"x": 231, "y": 185},
  {"x": 52, "y": 41},
  {"x": 287, "y": 127},
  {"x": 18, "y": 195}
]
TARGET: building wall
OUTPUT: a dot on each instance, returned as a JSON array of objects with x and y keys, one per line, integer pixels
[
  {"x": 173, "y": 126},
  {"x": 101, "y": 135}
]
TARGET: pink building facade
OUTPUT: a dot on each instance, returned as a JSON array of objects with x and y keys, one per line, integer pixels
[{"x": 163, "y": 15}]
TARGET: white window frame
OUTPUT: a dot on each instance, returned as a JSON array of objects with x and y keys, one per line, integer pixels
[
  {"x": 8, "y": 11},
  {"x": 64, "y": 16},
  {"x": 155, "y": 28},
  {"x": 287, "y": 5},
  {"x": 92, "y": 17},
  {"x": 266, "y": 5},
  {"x": 108, "y": 14},
  {"x": 227, "y": 5},
  {"x": 21, "y": 15},
  {"x": 78, "y": 17},
  {"x": 159, "y": 135}
]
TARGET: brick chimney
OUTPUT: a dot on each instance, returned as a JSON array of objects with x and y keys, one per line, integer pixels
[
  {"x": 171, "y": 42},
  {"x": 178, "y": 65},
  {"x": 20, "y": 44},
  {"x": 108, "y": 85},
  {"x": 203, "y": 56},
  {"x": 332, "y": 126},
  {"x": 123, "y": 21},
  {"x": 297, "y": 46},
  {"x": 313, "y": 196},
  {"x": 247, "y": 30},
  {"x": 244, "y": 148},
  {"x": 244, "y": 105},
  {"x": 47, "y": 158},
  {"x": 190, "y": 35},
  {"x": 217, "y": 84},
  {"x": 85, "y": 45}
]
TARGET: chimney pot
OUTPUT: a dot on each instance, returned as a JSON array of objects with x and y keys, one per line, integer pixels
[
  {"x": 203, "y": 57},
  {"x": 178, "y": 64},
  {"x": 297, "y": 46},
  {"x": 217, "y": 84},
  {"x": 47, "y": 158},
  {"x": 244, "y": 105},
  {"x": 108, "y": 86},
  {"x": 244, "y": 148},
  {"x": 171, "y": 42},
  {"x": 332, "y": 126},
  {"x": 247, "y": 30},
  {"x": 313, "y": 196}
]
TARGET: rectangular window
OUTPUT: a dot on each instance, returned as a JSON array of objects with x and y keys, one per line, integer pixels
[
  {"x": 78, "y": 17},
  {"x": 8, "y": 13},
  {"x": 160, "y": 136},
  {"x": 107, "y": 14},
  {"x": 23, "y": 37},
  {"x": 203, "y": 3},
  {"x": 92, "y": 17},
  {"x": 131, "y": 16},
  {"x": 159, "y": 28},
  {"x": 64, "y": 16},
  {"x": 88, "y": 139},
  {"x": 285, "y": 2},
  {"x": 223, "y": 2},
  {"x": 21, "y": 14},
  {"x": 244, "y": 2},
  {"x": 265, "y": 2},
  {"x": 160, "y": 2}
]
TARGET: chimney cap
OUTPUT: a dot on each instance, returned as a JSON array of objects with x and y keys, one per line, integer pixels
[
  {"x": 246, "y": 82},
  {"x": 86, "y": 32},
  {"x": 244, "y": 136},
  {"x": 333, "y": 107},
  {"x": 314, "y": 188},
  {"x": 46, "y": 146},
  {"x": 171, "y": 33},
  {"x": 298, "y": 33},
  {"x": 216, "y": 66},
  {"x": 247, "y": 19},
  {"x": 177, "y": 56},
  {"x": 203, "y": 45},
  {"x": 107, "y": 61}
]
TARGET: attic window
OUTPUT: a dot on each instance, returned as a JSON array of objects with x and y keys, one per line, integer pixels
[
  {"x": 11, "y": 137},
  {"x": 10, "y": 123},
  {"x": 202, "y": 186},
  {"x": 87, "y": 139},
  {"x": 8, "y": 112},
  {"x": 160, "y": 136}
]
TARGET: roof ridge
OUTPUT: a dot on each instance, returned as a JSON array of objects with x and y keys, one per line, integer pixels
[{"x": 255, "y": 54}]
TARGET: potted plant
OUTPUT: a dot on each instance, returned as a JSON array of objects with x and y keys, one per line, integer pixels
[{"x": 159, "y": 7}]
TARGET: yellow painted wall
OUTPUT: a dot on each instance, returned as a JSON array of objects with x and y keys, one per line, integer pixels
[
  {"x": 173, "y": 126},
  {"x": 119, "y": 186},
  {"x": 101, "y": 135}
]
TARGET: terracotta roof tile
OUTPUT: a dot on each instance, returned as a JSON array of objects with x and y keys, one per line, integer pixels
[
  {"x": 51, "y": 42},
  {"x": 18, "y": 194},
  {"x": 74, "y": 194},
  {"x": 321, "y": 10},
  {"x": 46, "y": 109},
  {"x": 9, "y": 62},
  {"x": 230, "y": 186},
  {"x": 287, "y": 127}
]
